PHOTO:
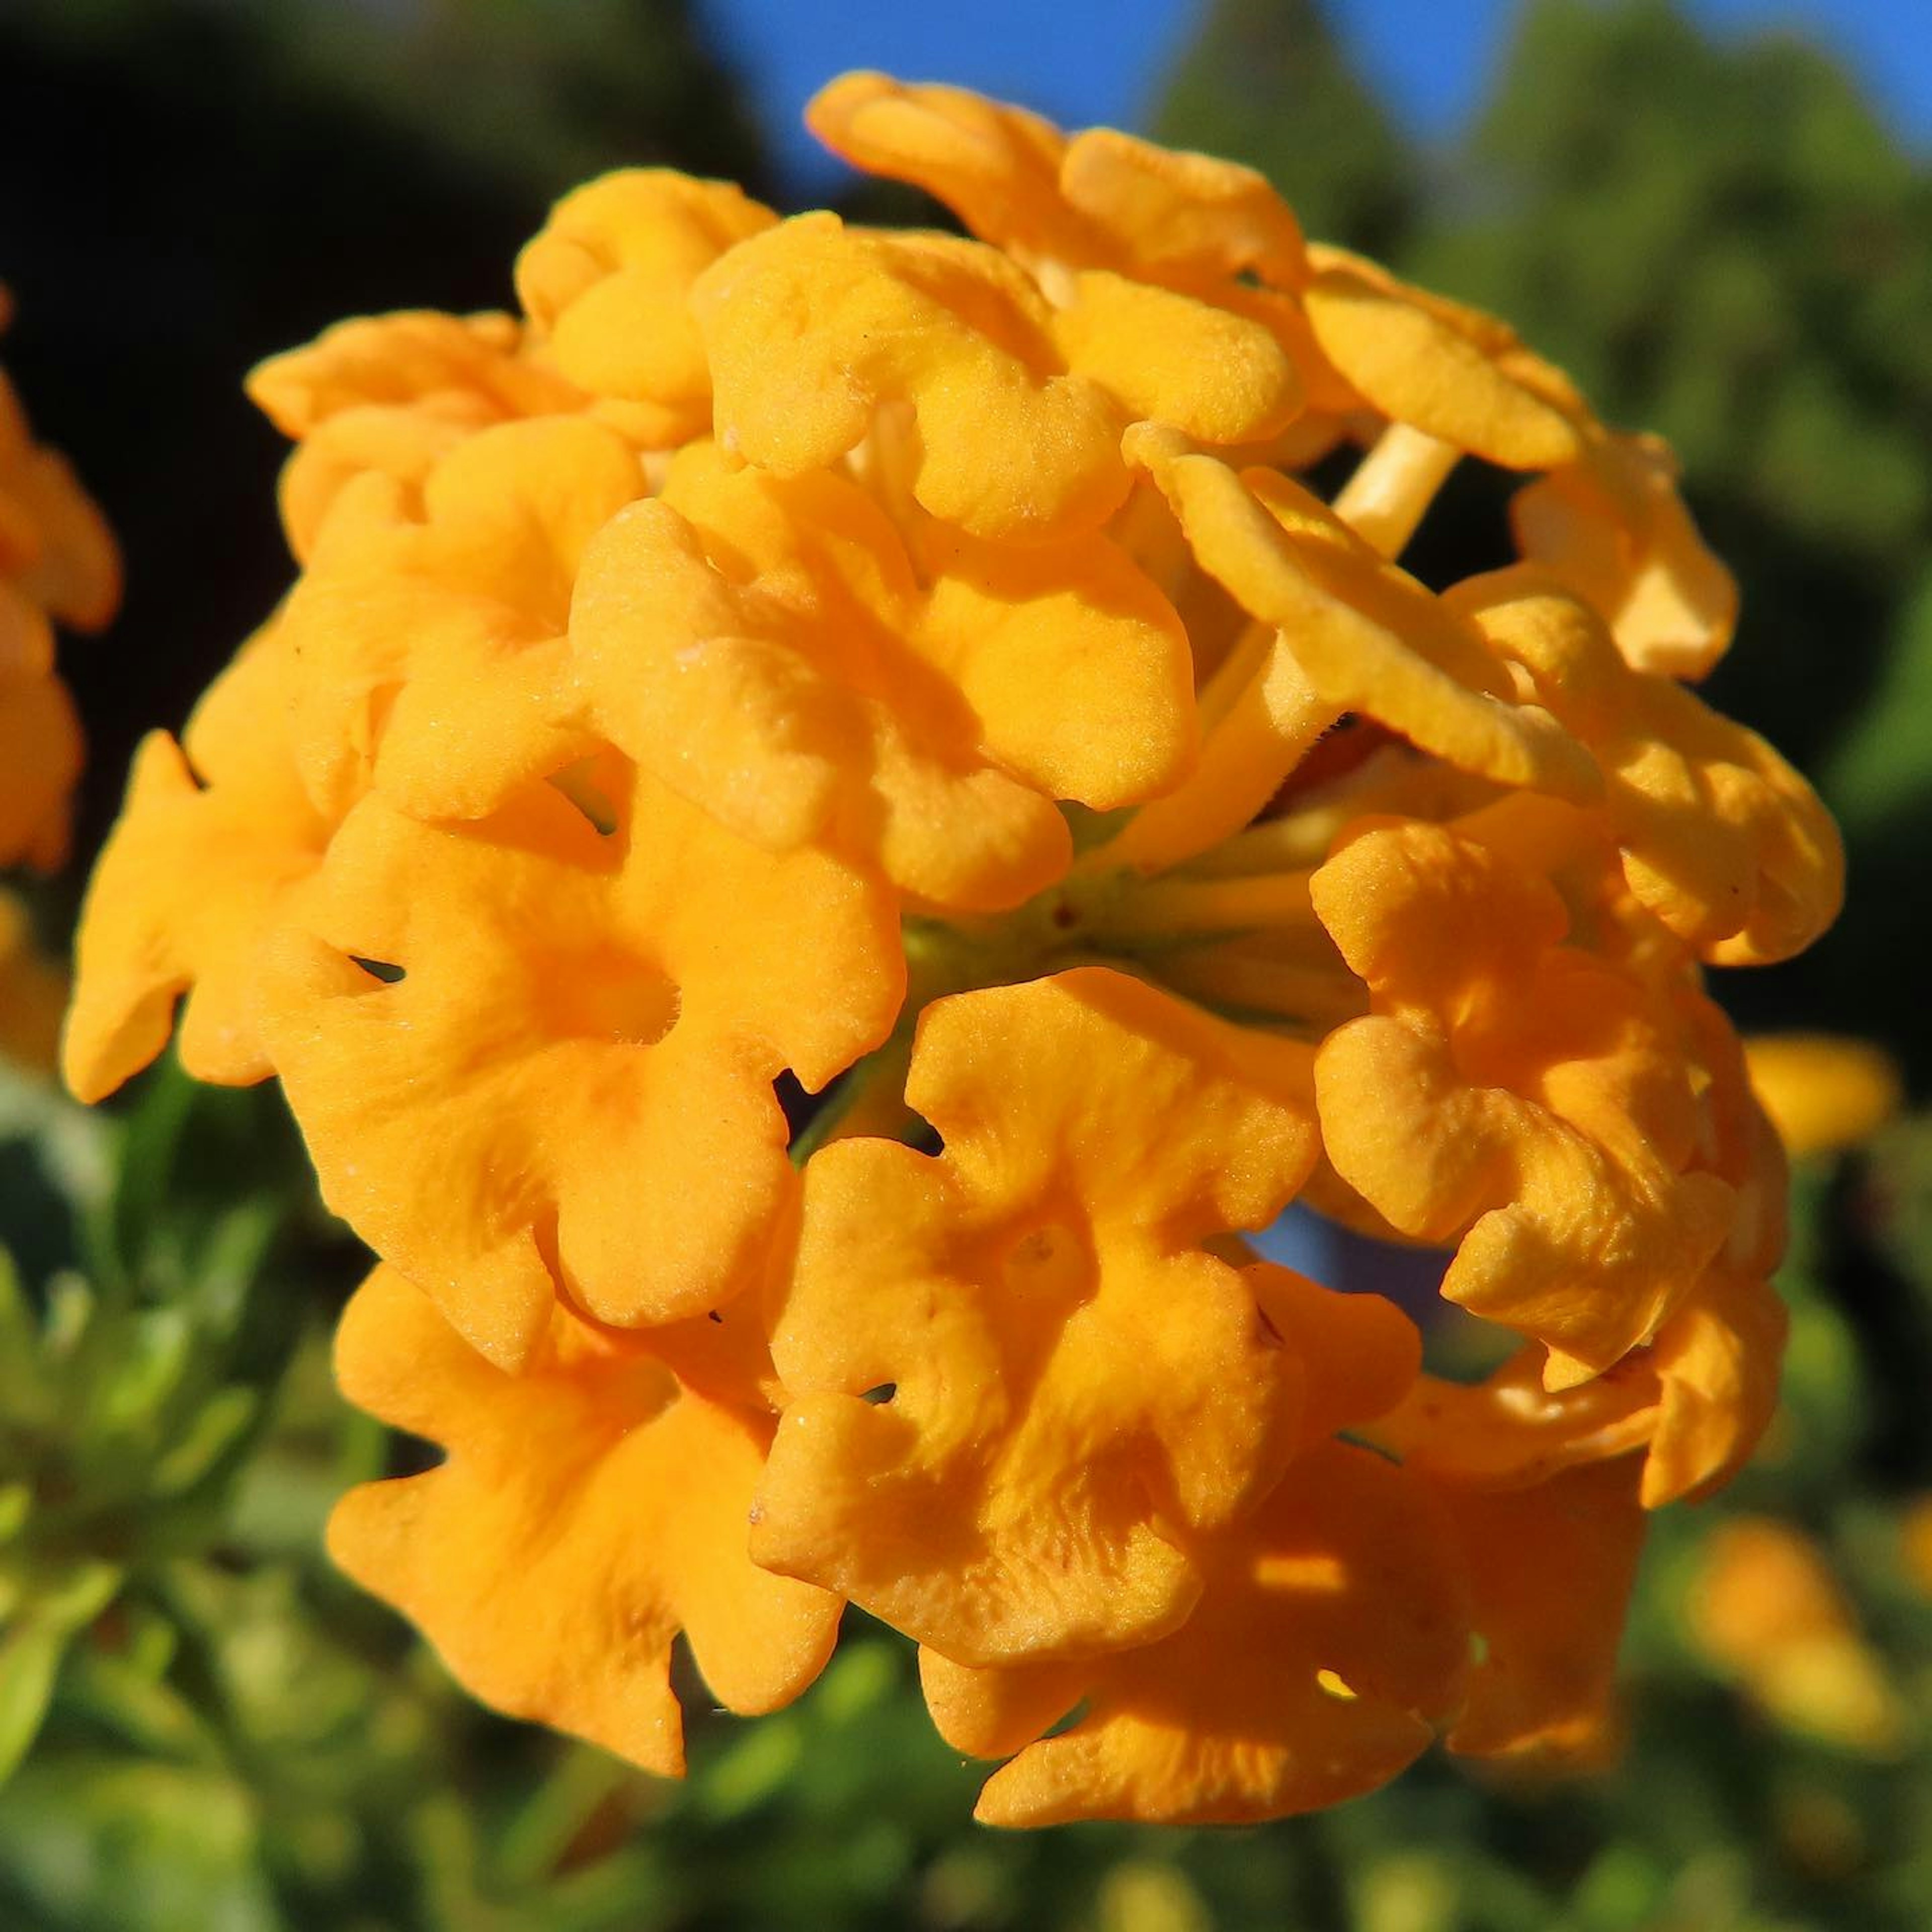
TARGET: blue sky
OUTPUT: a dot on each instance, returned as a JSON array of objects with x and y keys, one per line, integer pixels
[{"x": 1088, "y": 61}]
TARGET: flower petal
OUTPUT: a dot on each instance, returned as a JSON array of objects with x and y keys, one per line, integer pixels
[
  {"x": 589, "y": 1510},
  {"x": 1074, "y": 1386},
  {"x": 1331, "y": 1638}
]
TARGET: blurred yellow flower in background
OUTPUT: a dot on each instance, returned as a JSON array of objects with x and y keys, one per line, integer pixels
[
  {"x": 1823, "y": 1092},
  {"x": 1766, "y": 1608}
]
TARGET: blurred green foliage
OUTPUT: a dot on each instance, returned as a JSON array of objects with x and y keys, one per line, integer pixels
[{"x": 206, "y": 1728}]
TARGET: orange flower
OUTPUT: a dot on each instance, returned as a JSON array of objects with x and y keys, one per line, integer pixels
[
  {"x": 217, "y": 843},
  {"x": 1550, "y": 1568},
  {"x": 1100, "y": 199},
  {"x": 390, "y": 395},
  {"x": 32, "y": 992},
  {"x": 1346, "y": 631},
  {"x": 1331, "y": 1639},
  {"x": 1102, "y": 211},
  {"x": 1440, "y": 367},
  {"x": 530, "y": 1057},
  {"x": 1822, "y": 1093},
  {"x": 1721, "y": 837},
  {"x": 426, "y": 637},
  {"x": 608, "y": 284},
  {"x": 814, "y": 330},
  {"x": 590, "y": 1509},
  {"x": 1521, "y": 1097},
  {"x": 1612, "y": 530},
  {"x": 1767, "y": 1610},
  {"x": 1074, "y": 1387},
  {"x": 786, "y": 657},
  {"x": 786, "y": 622},
  {"x": 57, "y": 564}
]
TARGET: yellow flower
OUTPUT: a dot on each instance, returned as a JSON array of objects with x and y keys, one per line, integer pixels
[
  {"x": 1720, "y": 837},
  {"x": 1099, "y": 199},
  {"x": 1612, "y": 530},
  {"x": 1330, "y": 1640},
  {"x": 607, "y": 285},
  {"x": 930, "y": 673},
  {"x": 425, "y": 639},
  {"x": 1550, "y": 1566},
  {"x": 1340, "y": 630},
  {"x": 1441, "y": 367},
  {"x": 390, "y": 394}
]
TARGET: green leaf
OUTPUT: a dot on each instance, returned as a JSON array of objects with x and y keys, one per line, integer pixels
[
  {"x": 216, "y": 1429},
  {"x": 30, "y": 1656}
]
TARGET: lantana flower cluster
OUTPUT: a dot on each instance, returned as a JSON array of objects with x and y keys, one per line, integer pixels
[
  {"x": 836, "y": 817},
  {"x": 58, "y": 566}
]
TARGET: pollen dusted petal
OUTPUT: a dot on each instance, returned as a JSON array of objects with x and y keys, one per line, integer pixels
[
  {"x": 590, "y": 1509},
  {"x": 1521, "y": 1097},
  {"x": 568, "y": 1088},
  {"x": 1331, "y": 1638},
  {"x": 1077, "y": 1389}
]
